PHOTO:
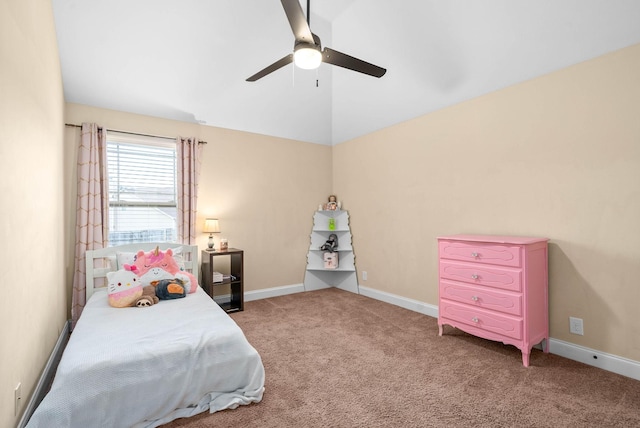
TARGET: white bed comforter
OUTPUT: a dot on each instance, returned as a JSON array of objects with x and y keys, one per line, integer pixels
[{"x": 143, "y": 367}]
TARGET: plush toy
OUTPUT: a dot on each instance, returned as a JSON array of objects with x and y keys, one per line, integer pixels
[
  {"x": 124, "y": 288},
  {"x": 157, "y": 265},
  {"x": 148, "y": 297},
  {"x": 167, "y": 289},
  {"x": 190, "y": 281},
  {"x": 154, "y": 263},
  {"x": 333, "y": 203}
]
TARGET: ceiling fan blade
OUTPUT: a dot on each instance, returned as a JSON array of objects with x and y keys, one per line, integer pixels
[
  {"x": 347, "y": 61},
  {"x": 273, "y": 67},
  {"x": 298, "y": 22}
]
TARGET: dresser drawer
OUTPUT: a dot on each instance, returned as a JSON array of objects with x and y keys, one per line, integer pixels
[
  {"x": 501, "y": 324},
  {"x": 482, "y": 297},
  {"x": 486, "y": 275},
  {"x": 497, "y": 254}
]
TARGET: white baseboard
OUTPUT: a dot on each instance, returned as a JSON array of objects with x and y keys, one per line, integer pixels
[
  {"x": 47, "y": 375},
  {"x": 602, "y": 360},
  {"x": 273, "y": 292},
  {"x": 403, "y": 302},
  {"x": 609, "y": 362}
]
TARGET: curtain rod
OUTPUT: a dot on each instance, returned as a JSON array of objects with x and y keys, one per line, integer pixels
[{"x": 133, "y": 133}]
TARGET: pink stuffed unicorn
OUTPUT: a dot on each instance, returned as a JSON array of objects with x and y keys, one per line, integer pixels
[{"x": 156, "y": 265}]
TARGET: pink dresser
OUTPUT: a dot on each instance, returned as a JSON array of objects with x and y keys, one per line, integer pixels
[{"x": 495, "y": 287}]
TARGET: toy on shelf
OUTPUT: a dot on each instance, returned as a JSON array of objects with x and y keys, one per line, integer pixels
[{"x": 332, "y": 204}]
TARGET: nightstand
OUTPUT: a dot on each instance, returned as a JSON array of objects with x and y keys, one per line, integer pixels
[{"x": 222, "y": 275}]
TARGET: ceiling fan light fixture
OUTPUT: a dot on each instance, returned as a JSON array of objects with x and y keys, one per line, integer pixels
[{"x": 307, "y": 57}]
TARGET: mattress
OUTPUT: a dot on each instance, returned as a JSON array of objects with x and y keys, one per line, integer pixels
[{"x": 144, "y": 367}]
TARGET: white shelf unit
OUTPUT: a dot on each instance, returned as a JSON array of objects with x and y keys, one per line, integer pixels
[{"x": 316, "y": 276}]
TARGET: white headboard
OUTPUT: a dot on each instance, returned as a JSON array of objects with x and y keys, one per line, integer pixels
[{"x": 109, "y": 254}]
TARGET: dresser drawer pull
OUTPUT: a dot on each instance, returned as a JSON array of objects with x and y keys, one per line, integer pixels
[
  {"x": 474, "y": 276},
  {"x": 474, "y": 298},
  {"x": 474, "y": 254},
  {"x": 474, "y": 319}
]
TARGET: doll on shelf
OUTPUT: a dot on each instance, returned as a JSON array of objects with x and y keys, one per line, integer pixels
[
  {"x": 332, "y": 205},
  {"x": 331, "y": 245}
]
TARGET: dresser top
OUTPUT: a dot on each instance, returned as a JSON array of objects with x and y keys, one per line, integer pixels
[{"x": 496, "y": 239}]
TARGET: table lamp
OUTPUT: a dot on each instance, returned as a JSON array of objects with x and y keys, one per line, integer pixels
[{"x": 211, "y": 226}]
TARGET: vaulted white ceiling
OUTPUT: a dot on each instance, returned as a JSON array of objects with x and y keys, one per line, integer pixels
[{"x": 188, "y": 59}]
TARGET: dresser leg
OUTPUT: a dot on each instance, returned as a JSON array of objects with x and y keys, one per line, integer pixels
[
  {"x": 439, "y": 329},
  {"x": 525, "y": 359}
]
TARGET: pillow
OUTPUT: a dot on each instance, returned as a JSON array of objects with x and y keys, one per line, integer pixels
[{"x": 123, "y": 289}]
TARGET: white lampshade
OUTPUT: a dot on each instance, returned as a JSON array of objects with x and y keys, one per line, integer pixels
[
  {"x": 307, "y": 58},
  {"x": 211, "y": 225}
]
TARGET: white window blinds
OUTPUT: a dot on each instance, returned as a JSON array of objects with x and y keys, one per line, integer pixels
[{"x": 142, "y": 189}]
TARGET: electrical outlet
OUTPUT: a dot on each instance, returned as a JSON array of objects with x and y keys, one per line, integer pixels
[
  {"x": 364, "y": 275},
  {"x": 17, "y": 395},
  {"x": 575, "y": 326}
]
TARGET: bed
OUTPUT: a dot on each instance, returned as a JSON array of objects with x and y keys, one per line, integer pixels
[{"x": 144, "y": 367}]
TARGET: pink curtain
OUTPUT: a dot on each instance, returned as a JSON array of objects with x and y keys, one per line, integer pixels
[
  {"x": 189, "y": 160},
  {"x": 92, "y": 207}
]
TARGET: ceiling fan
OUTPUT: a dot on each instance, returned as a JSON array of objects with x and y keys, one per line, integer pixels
[{"x": 307, "y": 49}]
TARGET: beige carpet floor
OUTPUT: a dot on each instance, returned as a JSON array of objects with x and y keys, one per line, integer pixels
[{"x": 337, "y": 359}]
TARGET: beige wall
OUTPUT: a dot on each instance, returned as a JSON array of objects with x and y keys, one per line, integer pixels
[
  {"x": 263, "y": 189},
  {"x": 557, "y": 156},
  {"x": 33, "y": 307}
]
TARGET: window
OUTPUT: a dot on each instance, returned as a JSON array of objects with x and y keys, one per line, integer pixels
[{"x": 142, "y": 189}]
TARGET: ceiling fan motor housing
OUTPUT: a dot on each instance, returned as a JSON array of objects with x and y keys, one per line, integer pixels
[{"x": 307, "y": 55}]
